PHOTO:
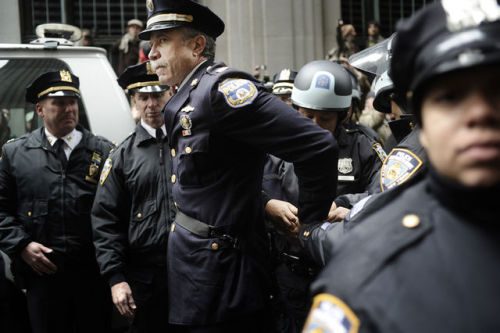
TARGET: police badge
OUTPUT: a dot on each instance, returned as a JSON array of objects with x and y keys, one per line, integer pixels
[
  {"x": 186, "y": 124},
  {"x": 94, "y": 169},
  {"x": 345, "y": 165}
]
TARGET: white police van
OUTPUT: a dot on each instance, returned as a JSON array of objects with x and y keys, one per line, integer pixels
[{"x": 104, "y": 108}]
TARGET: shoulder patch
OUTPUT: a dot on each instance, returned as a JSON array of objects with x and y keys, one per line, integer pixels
[
  {"x": 238, "y": 92},
  {"x": 380, "y": 151},
  {"x": 105, "y": 170},
  {"x": 398, "y": 167},
  {"x": 330, "y": 314}
]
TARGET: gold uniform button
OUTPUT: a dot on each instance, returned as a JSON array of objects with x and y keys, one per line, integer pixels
[
  {"x": 411, "y": 221},
  {"x": 172, "y": 152},
  {"x": 173, "y": 178},
  {"x": 188, "y": 150},
  {"x": 29, "y": 213},
  {"x": 215, "y": 246},
  {"x": 139, "y": 215}
]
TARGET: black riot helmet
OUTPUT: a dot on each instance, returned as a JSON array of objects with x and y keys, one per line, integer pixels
[
  {"x": 442, "y": 38},
  {"x": 322, "y": 85}
]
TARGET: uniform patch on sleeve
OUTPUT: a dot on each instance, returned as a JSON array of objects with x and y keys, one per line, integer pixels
[
  {"x": 329, "y": 314},
  {"x": 399, "y": 165},
  {"x": 380, "y": 151},
  {"x": 105, "y": 170},
  {"x": 238, "y": 92}
]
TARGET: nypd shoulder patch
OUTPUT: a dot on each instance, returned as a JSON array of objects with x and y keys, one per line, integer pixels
[
  {"x": 238, "y": 92},
  {"x": 380, "y": 151},
  {"x": 330, "y": 314},
  {"x": 399, "y": 165},
  {"x": 105, "y": 170}
]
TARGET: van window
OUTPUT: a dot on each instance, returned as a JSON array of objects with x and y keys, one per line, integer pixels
[{"x": 17, "y": 116}]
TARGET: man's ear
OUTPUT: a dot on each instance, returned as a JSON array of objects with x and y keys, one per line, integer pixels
[
  {"x": 198, "y": 44},
  {"x": 39, "y": 109}
]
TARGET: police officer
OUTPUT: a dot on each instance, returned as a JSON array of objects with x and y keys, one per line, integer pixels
[
  {"x": 48, "y": 180},
  {"x": 134, "y": 204},
  {"x": 283, "y": 85},
  {"x": 322, "y": 92},
  {"x": 220, "y": 124},
  {"x": 425, "y": 258}
]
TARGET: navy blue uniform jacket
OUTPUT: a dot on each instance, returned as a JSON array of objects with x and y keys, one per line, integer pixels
[{"x": 220, "y": 125}]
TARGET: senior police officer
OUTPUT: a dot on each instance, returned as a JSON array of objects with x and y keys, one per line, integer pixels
[
  {"x": 48, "y": 180},
  {"x": 133, "y": 208},
  {"x": 220, "y": 124},
  {"x": 427, "y": 261},
  {"x": 322, "y": 92}
]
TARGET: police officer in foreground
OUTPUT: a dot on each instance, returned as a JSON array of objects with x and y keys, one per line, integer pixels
[
  {"x": 48, "y": 180},
  {"x": 427, "y": 261},
  {"x": 220, "y": 124},
  {"x": 322, "y": 92},
  {"x": 134, "y": 208}
]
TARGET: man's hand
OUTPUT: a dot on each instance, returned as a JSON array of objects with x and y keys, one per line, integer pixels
[
  {"x": 337, "y": 214},
  {"x": 284, "y": 215},
  {"x": 34, "y": 256},
  {"x": 123, "y": 300}
]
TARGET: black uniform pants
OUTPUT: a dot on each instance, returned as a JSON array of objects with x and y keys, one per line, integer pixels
[
  {"x": 74, "y": 299},
  {"x": 149, "y": 289}
]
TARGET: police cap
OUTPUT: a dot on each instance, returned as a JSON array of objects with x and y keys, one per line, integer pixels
[
  {"x": 53, "y": 84},
  {"x": 283, "y": 82},
  {"x": 140, "y": 78},
  {"x": 169, "y": 14},
  {"x": 442, "y": 38}
]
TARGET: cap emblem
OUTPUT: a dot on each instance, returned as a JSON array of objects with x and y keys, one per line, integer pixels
[
  {"x": 463, "y": 14},
  {"x": 323, "y": 81},
  {"x": 150, "y": 6},
  {"x": 65, "y": 76},
  {"x": 284, "y": 75},
  {"x": 149, "y": 69}
]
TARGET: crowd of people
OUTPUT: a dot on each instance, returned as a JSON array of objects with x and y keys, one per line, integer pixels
[{"x": 356, "y": 194}]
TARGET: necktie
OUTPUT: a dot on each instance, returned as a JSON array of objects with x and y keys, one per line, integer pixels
[
  {"x": 159, "y": 135},
  {"x": 59, "y": 150}
]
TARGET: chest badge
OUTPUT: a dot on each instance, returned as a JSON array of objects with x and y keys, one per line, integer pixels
[
  {"x": 186, "y": 124},
  {"x": 345, "y": 165},
  {"x": 94, "y": 168},
  {"x": 188, "y": 108}
]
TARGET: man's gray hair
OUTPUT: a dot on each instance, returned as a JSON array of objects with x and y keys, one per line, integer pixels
[{"x": 189, "y": 33}]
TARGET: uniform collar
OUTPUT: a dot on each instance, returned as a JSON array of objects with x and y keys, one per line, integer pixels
[
  {"x": 72, "y": 139},
  {"x": 152, "y": 131},
  {"x": 191, "y": 74}
]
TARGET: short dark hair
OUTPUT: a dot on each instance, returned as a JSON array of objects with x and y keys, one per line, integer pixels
[{"x": 189, "y": 33}]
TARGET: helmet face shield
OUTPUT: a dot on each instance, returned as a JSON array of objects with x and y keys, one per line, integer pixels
[{"x": 375, "y": 59}]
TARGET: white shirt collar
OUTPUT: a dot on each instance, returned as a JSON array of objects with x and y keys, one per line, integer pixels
[
  {"x": 72, "y": 139},
  {"x": 151, "y": 130},
  {"x": 190, "y": 74}
]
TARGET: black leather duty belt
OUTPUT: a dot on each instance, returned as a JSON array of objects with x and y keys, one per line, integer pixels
[{"x": 204, "y": 230}]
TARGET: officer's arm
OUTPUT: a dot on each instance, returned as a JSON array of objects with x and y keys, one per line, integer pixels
[
  {"x": 13, "y": 236},
  {"x": 110, "y": 219},
  {"x": 272, "y": 126},
  {"x": 318, "y": 239}
]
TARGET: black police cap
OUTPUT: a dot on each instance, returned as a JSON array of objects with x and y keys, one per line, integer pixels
[
  {"x": 431, "y": 43},
  {"x": 169, "y": 14},
  {"x": 140, "y": 78},
  {"x": 53, "y": 84},
  {"x": 283, "y": 81}
]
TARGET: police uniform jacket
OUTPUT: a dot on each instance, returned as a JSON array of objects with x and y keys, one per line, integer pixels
[
  {"x": 43, "y": 202},
  {"x": 404, "y": 163},
  {"x": 220, "y": 124},
  {"x": 360, "y": 159},
  {"x": 133, "y": 207},
  {"x": 425, "y": 261}
]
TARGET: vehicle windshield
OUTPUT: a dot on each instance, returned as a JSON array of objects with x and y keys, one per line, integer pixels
[{"x": 18, "y": 117}]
